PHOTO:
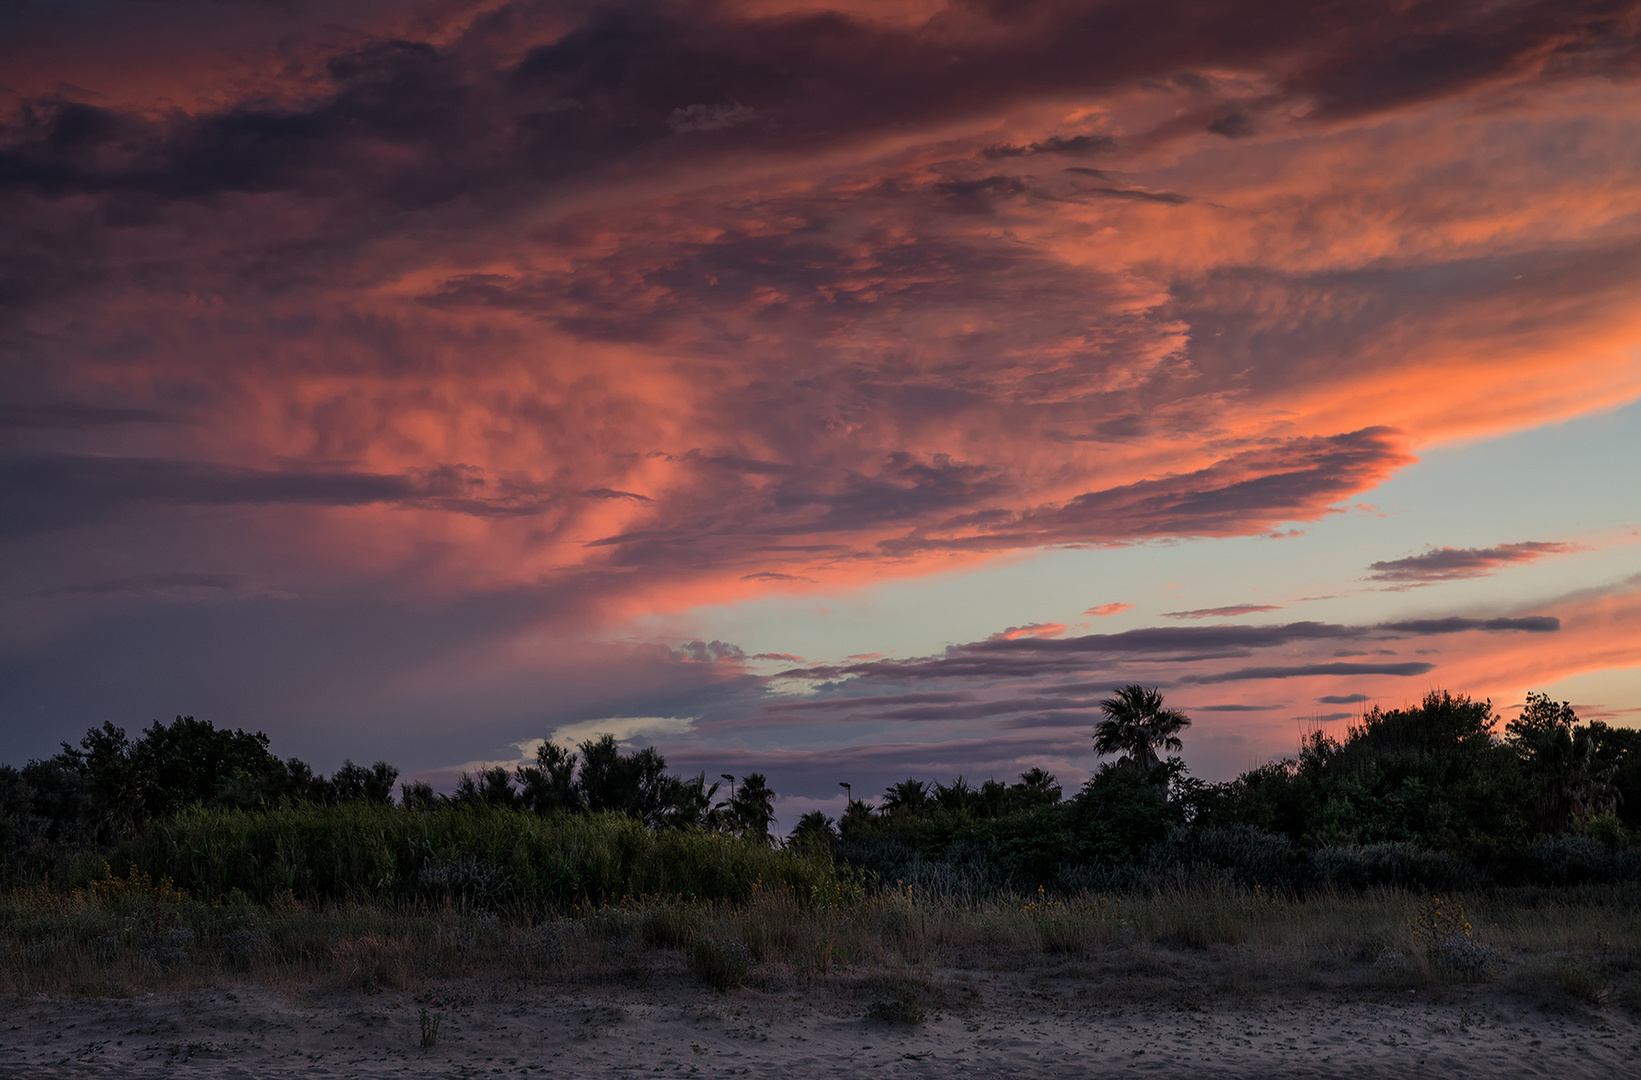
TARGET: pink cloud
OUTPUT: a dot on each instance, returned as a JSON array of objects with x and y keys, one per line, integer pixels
[
  {"x": 545, "y": 324},
  {"x": 1101, "y": 611},
  {"x": 1031, "y": 630}
]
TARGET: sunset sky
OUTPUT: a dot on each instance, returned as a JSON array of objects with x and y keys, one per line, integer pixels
[{"x": 843, "y": 392}]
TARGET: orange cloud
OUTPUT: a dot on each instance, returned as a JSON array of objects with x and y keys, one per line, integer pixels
[
  {"x": 616, "y": 311},
  {"x": 1031, "y": 630}
]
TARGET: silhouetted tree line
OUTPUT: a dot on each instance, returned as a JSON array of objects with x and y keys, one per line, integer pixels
[
  {"x": 110, "y": 785},
  {"x": 601, "y": 777},
  {"x": 1424, "y": 795}
]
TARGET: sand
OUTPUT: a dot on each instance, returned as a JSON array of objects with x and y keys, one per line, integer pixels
[{"x": 1037, "y": 1023}]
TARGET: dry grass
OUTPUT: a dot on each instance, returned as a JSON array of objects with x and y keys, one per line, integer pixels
[{"x": 897, "y": 949}]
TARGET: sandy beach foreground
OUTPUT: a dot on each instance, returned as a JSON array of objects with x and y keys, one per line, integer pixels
[{"x": 1031, "y": 1023}]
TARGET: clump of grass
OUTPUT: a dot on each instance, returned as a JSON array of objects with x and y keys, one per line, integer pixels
[
  {"x": 430, "y": 1027},
  {"x": 723, "y": 965},
  {"x": 900, "y": 998},
  {"x": 1578, "y": 981},
  {"x": 608, "y": 922},
  {"x": 670, "y": 926}
]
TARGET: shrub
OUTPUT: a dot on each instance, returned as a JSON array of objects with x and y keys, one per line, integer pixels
[
  {"x": 1394, "y": 865},
  {"x": 721, "y": 964},
  {"x": 472, "y": 857},
  {"x": 670, "y": 926}
]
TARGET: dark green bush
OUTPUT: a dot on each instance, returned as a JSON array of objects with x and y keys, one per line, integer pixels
[
  {"x": 721, "y": 964},
  {"x": 470, "y": 856}
]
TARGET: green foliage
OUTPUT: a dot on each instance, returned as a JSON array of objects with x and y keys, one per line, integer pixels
[
  {"x": 636, "y": 784},
  {"x": 1431, "y": 775},
  {"x": 1572, "y": 765},
  {"x": 476, "y": 857},
  {"x": 814, "y": 832},
  {"x": 109, "y": 786},
  {"x": 1422, "y": 797},
  {"x": 1120, "y": 813},
  {"x": 670, "y": 926},
  {"x": 720, "y": 963},
  {"x": 429, "y": 1023},
  {"x": 751, "y": 809}
]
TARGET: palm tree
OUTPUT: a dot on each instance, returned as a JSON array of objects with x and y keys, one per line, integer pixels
[
  {"x": 1137, "y": 726},
  {"x": 752, "y": 808},
  {"x": 909, "y": 796}
]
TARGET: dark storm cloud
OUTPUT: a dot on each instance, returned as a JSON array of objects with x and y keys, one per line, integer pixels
[
  {"x": 1169, "y": 198},
  {"x": 980, "y": 194},
  {"x": 1059, "y": 144},
  {"x": 1290, "y": 481},
  {"x": 69, "y": 414},
  {"x": 45, "y": 491},
  {"x": 806, "y": 501},
  {"x": 826, "y": 278},
  {"x": 230, "y": 240},
  {"x": 612, "y": 86},
  {"x": 1233, "y": 126}
]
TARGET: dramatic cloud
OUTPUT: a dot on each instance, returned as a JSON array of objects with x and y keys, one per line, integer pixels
[
  {"x": 1448, "y": 564},
  {"x": 486, "y": 333}
]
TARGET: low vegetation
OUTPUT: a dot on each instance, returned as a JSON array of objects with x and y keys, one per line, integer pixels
[{"x": 1429, "y": 846}]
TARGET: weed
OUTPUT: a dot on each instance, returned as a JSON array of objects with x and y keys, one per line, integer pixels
[{"x": 430, "y": 1026}]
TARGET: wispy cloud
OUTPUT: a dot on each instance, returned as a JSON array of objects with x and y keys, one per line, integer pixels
[
  {"x": 1451, "y": 564},
  {"x": 1228, "y": 612}
]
